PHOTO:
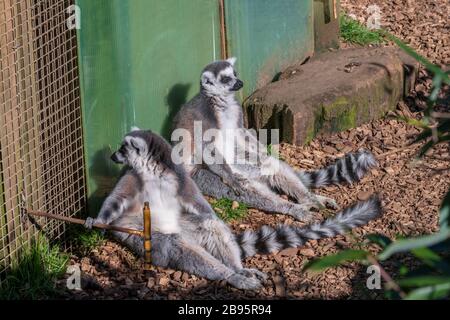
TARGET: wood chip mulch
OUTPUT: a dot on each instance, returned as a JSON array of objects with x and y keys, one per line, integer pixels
[
  {"x": 423, "y": 24},
  {"x": 411, "y": 192}
]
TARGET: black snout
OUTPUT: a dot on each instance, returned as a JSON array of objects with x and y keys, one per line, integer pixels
[
  {"x": 114, "y": 158},
  {"x": 238, "y": 85}
]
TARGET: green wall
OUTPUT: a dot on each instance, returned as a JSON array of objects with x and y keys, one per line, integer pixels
[
  {"x": 140, "y": 60},
  {"x": 267, "y": 36}
]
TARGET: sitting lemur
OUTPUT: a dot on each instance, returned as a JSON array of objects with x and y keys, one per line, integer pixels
[
  {"x": 186, "y": 233},
  {"x": 217, "y": 115}
]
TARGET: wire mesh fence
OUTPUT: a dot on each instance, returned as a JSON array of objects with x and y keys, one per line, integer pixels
[{"x": 41, "y": 143}]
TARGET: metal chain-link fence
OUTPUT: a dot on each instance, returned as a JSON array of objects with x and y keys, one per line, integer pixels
[{"x": 41, "y": 143}]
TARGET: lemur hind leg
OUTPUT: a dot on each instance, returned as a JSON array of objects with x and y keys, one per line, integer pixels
[
  {"x": 255, "y": 194},
  {"x": 284, "y": 178},
  {"x": 133, "y": 242},
  {"x": 131, "y": 221},
  {"x": 171, "y": 251},
  {"x": 216, "y": 237},
  {"x": 212, "y": 185}
]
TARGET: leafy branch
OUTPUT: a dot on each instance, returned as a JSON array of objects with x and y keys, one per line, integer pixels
[{"x": 431, "y": 280}]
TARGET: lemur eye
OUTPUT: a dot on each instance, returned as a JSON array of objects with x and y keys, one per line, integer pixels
[
  {"x": 235, "y": 74},
  {"x": 135, "y": 147},
  {"x": 226, "y": 79}
]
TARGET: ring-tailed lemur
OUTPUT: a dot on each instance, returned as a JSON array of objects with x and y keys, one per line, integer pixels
[
  {"x": 186, "y": 233},
  {"x": 215, "y": 107}
]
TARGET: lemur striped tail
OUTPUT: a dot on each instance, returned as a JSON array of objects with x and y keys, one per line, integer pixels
[
  {"x": 348, "y": 169},
  {"x": 268, "y": 240}
]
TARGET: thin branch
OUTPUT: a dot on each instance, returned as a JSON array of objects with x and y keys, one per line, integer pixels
[
  {"x": 408, "y": 147},
  {"x": 440, "y": 115},
  {"x": 390, "y": 283},
  {"x": 82, "y": 222}
]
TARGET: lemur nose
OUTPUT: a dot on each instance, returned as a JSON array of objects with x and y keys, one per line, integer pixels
[
  {"x": 113, "y": 157},
  {"x": 238, "y": 85}
]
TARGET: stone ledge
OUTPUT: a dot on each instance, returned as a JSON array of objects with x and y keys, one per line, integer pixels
[{"x": 332, "y": 92}]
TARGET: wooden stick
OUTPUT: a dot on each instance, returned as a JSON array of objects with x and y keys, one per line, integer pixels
[
  {"x": 223, "y": 30},
  {"x": 147, "y": 237},
  {"x": 82, "y": 222},
  {"x": 405, "y": 148}
]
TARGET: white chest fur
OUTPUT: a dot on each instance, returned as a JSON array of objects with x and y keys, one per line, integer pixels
[
  {"x": 165, "y": 208},
  {"x": 228, "y": 120}
]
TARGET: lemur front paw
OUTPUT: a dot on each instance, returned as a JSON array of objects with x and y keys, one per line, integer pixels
[
  {"x": 250, "y": 272},
  {"x": 302, "y": 214},
  {"x": 88, "y": 224},
  {"x": 242, "y": 282}
]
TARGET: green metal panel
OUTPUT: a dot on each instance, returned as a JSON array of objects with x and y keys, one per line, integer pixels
[
  {"x": 267, "y": 36},
  {"x": 139, "y": 61}
]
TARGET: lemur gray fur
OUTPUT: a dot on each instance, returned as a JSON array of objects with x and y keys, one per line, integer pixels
[
  {"x": 186, "y": 233},
  {"x": 215, "y": 107}
]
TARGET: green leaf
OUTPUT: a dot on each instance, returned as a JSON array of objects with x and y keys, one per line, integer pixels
[
  {"x": 403, "y": 270},
  {"x": 425, "y": 148},
  {"x": 429, "y": 65},
  {"x": 432, "y": 143},
  {"x": 405, "y": 245},
  {"x": 426, "y": 254},
  {"x": 419, "y": 271},
  {"x": 392, "y": 295},
  {"x": 225, "y": 210},
  {"x": 379, "y": 239},
  {"x": 414, "y": 122},
  {"x": 444, "y": 221},
  {"x": 335, "y": 260},
  {"x": 440, "y": 75},
  {"x": 444, "y": 126},
  {"x": 422, "y": 281},
  {"x": 431, "y": 259},
  {"x": 436, "y": 88},
  {"x": 431, "y": 292}
]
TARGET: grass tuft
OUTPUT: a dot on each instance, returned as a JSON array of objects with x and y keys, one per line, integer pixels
[
  {"x": 84, "y": 240},
  {"x": 354, "y": 32},
  {"x": 34, "y": 274},
  {"x": 224, "y": 209}
]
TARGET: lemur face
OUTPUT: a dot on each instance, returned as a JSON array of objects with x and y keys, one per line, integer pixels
[
  {"x": 133, "y": 146},
  {"x": 220, "y": 78},
  {"x": 140, "y": 148}
]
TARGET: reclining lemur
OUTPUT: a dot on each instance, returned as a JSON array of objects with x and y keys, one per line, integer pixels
[
  {"x": 231, "y": 175},
  {"x": 186, "y": 233}
]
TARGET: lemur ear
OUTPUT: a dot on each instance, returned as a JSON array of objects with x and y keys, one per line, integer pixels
[
  {"x": 134, "y": 128},
  {"x": 138, "y": 143},
  {"x": 232, "y": 60},
  {"x": 206, "y": 78}
]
